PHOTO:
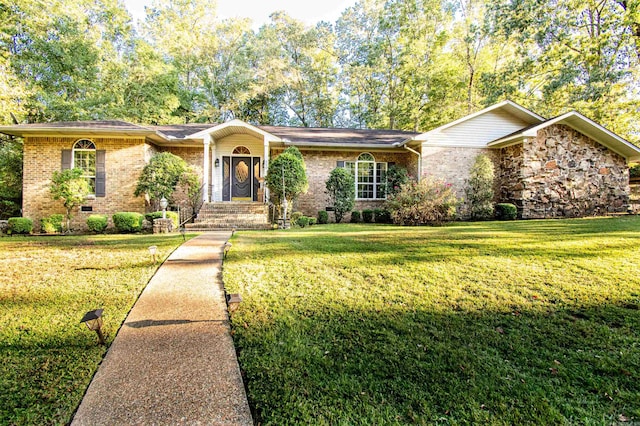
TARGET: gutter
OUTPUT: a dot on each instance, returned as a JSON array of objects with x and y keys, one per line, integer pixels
[{"x": 419, "y": 160}]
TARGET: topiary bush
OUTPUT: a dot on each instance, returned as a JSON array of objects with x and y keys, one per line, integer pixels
[
  {"x": 175, "y": 218},
  {"x": 367, "y": 216},
  {"x": 479, "y": 189},
  {"x": 396, "y": 177},
  {"x": 429, "y": 202},
  {"x": 302, "y": 221},
  {"x": 355, "y": 216},
  {"x": 127, "y": 221},
  {"x": 323, "y": 217},
  {"x": 341, "y": 189},
  {"x": 97, "y": 223},
  {"x": 382, "y": 216},
  {"x": 506, "y": 211},
  {"x": 19, "y": 225},
  {"x": 52, "y": 224}
]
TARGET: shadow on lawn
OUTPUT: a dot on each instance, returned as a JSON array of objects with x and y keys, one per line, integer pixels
[
  {"x": 334, "y": 365},
  {"x": 565, "y": 239}
]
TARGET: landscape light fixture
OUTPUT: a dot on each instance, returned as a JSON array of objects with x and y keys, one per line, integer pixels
[
  {"x": 163, "y": 205},
  {"x": 217, "y": 162},
  {"x": 183, "y": 230},
  {"x": 233, "y": 231},
  {"x": 153, "y": 250},
  {"x": 233, "y": 301},
  {"x": 93, "y": 319},
  {"x": 227, "y": 247}
]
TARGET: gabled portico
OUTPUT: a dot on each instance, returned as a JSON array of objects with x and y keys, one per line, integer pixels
[{"x": 235, "y": 161}]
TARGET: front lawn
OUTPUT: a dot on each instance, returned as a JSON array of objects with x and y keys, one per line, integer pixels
[
  {"x": 498, "y": 322},
  {"x": 46, "y": 286}
]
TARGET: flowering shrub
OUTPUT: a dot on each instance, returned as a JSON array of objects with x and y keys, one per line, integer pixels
[{"x": 431, "y": 201}]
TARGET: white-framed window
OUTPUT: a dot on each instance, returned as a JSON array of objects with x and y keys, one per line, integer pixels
[
  {"x": 241, "y": 150},
  {"x": 370, "y": 177},
  {"x": 84, "y": 158}
]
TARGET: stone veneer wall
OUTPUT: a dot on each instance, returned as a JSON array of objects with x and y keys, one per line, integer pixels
[
  {"x": 563, "y": 173},
  {"x": 319, "y": 165},
  {"x": 43, "y": 155}
]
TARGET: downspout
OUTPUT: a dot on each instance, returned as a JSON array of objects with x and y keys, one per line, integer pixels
[{"x": 419, "y": 161}]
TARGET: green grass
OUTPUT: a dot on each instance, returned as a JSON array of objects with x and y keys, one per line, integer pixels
[
  {"x": 528, "y": 322},
  {"x": 47, "y": 358}
]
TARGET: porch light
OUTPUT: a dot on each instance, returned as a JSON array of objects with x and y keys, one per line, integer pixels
[
  {"x": 93, "y": 320},
  {"x": 152, "y": 251},
  {"x": 217, "y": 162},
  {"x": 233, "y": 301},
  {"x": 163, "y": 205}
]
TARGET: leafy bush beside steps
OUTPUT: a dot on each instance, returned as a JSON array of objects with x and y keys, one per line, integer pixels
[{"x": 128, "y": 221}]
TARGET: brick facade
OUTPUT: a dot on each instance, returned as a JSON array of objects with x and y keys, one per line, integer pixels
[
  {"x": 319, "y": 165},
  {"x": 563, "y": 173},
  {"x": 125, "y": 158}
]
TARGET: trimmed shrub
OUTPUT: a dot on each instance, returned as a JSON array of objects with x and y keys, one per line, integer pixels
[
  {"x": 294, "y": 217},
  {"x": 323, "y": 217},
  {"x": 52, "y": 224},
  {"x": 312, "y": 221},
  {"x": 431, "y": 201},
  {"x": 127, "y": 221},
  {"x": 175, "y": 219},
  {"x": 367, "y": 216},
  {"x": 302, "y": 221},
  {"x": 19, "y": 225},
  {"x": 506, "y": 211},
  {"x": 355, "y": 216},
  {"x": 479, "y": 189},
  {"x": 396, "y": 177},
  {"x": 341, "y": 189},
  {"x": 97, "y": 223},
  {"x": 382, "y": 216}
]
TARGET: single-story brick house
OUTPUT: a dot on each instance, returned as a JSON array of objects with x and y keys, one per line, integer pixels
[{"x": 567, "y": 166}]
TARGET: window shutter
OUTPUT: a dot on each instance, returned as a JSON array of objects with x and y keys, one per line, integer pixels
[
  {"x": 66, "y": 159},
  {"x": 101, "y": 180},
  {"x": 340, "y": 164}
]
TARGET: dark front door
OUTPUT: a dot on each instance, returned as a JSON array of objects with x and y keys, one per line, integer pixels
[{"x": 241, "y": 178}]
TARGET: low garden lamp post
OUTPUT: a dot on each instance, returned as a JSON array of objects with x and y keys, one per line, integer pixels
[
  {"x": 163, "y": 205},
  {"x": 183, "y": 230},
  {"x": 152, "y": 251},
  {"x": 227, "y": 247},
  {"x": 93, "y": 319},
  {"x": 233, "y": 301}
]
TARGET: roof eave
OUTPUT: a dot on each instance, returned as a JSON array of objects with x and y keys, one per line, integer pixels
[{"x": 341, "y": 145}]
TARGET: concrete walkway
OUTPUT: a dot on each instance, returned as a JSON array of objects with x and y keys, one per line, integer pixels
[{"x": 173, "y": 360}]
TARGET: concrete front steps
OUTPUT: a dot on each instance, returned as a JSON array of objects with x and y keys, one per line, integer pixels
[{"x": 229, "y": 215}]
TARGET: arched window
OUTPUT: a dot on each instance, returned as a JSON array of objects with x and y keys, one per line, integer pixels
[
  {"x": 241, "y": 150},
  {"x": 84, "y": 158},
  {"x": 370, "y": 177}
]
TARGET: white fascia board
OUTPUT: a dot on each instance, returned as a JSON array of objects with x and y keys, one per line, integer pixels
[
  {"x": 339, "y": 146},
  {"x": 584, "y": 125},
  {"x": 233, "y": 123}
]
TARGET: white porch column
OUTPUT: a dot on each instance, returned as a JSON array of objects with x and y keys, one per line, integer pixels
[
  {"x": 205, "y": 167},
  {"x": 266, "y": 166},
  {"x": 214, "y": 172}
]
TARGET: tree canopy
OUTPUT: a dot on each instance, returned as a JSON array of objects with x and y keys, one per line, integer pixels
[{"x": 410, "y": 64}]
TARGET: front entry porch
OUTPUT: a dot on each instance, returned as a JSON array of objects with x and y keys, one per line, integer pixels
[{"x": 242, "y": 179}]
